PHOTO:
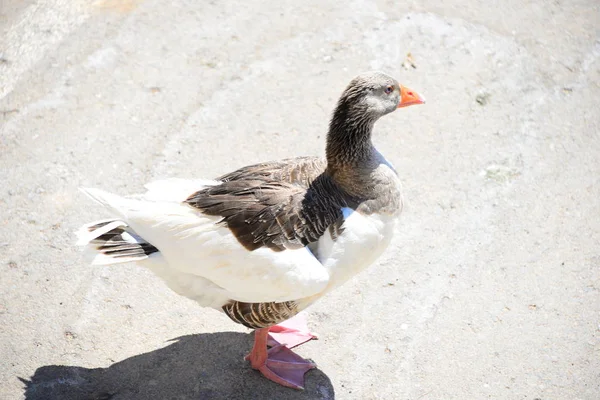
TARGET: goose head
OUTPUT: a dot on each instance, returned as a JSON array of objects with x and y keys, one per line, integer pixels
[
  {"x": 371, "y": 95},
  {"x": 368, "y": 97}
]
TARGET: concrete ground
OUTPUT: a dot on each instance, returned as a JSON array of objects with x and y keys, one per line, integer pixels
[{"x": 491, "y": 288}]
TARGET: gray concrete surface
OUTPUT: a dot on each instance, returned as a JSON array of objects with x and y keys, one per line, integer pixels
[{"x": 489, "y": 291}]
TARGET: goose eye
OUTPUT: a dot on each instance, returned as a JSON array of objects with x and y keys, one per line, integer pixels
[{"x": 389, "y": 89}]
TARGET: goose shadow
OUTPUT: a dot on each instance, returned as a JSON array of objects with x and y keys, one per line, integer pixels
[{"x": 201, "y": 366}]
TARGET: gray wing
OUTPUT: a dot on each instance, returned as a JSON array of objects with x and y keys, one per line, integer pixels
[{"x": 298, "y": 171}]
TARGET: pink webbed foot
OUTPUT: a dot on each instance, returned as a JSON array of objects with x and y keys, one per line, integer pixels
[
  {"x": 290, "y": 333},
  {"x": 278, "y": 364}
]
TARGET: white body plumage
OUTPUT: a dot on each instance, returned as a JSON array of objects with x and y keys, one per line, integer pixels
[{"x": 201, "y": 259}]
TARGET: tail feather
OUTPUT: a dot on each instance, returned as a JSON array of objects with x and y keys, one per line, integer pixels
[
  {"x": 89, "y": 232},
  {"x": 111, "y": 201},
  {"x": 113, "y": 242}
]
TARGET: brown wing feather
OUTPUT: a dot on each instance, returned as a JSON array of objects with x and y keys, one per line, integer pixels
[
  {"x": 280, "y": 205},
  {"x": 299, "y": 171}
]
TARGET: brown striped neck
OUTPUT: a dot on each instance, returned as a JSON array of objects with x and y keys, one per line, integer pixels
[
  {"x": 349, "y": 150},
  {"x": 349, "y": 138}
]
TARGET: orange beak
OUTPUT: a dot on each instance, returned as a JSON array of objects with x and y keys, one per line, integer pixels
[{"x": 409, "y": 97}]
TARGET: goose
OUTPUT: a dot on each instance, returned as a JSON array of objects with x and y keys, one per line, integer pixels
[{"x": 264, "y": 242}]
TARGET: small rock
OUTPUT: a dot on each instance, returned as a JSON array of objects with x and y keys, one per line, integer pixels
[
  {"x": 409, "y": 62},
  {"x": 70, "y": 335},
  {"x": 500, "y": 173},
  {"x": 482, "y": 98}
]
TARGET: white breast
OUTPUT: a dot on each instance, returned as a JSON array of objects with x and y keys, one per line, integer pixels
[{"x": 363, "y": 240}]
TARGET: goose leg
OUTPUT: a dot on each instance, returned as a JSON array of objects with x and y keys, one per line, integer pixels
[
  {"x": 278, "y": 364},
  {"x": 290, "y": 333}
]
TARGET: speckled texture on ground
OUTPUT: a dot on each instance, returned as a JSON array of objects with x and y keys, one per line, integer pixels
[{"x": 489, "y": 290}]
